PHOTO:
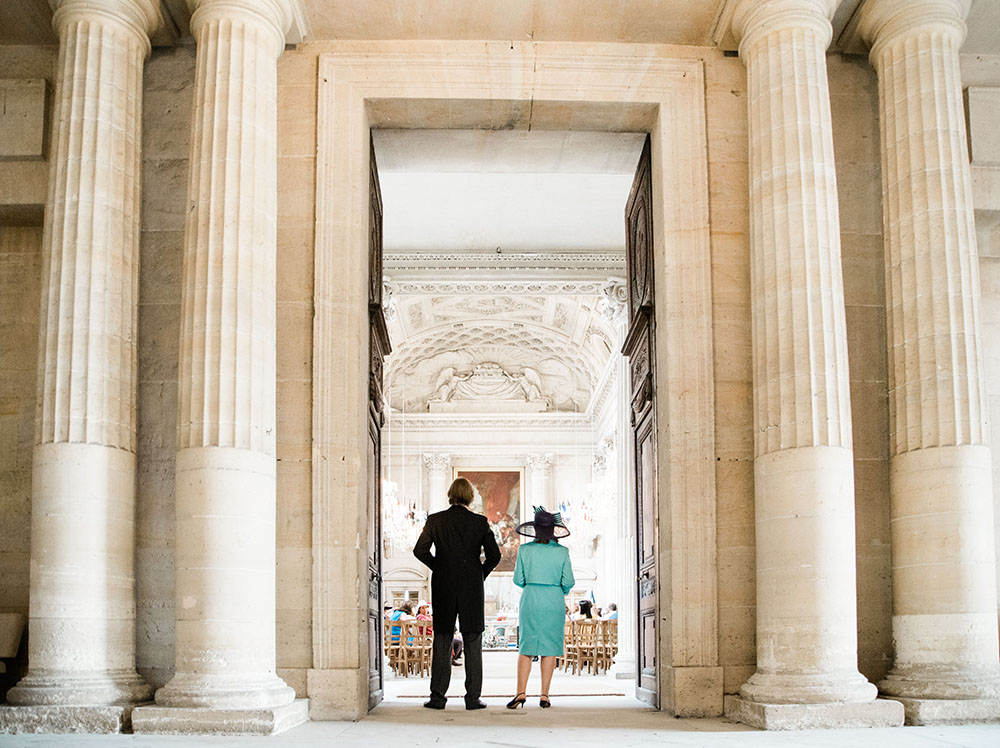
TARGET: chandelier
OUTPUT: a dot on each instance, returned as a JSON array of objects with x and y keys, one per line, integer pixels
[{"x": 401, "y": 519}]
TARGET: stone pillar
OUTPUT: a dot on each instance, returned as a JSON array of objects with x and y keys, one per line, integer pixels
[
  {"x": 82, "y": 612},
  {"x": 539, "y": 480},
  {"x": 804, "y": 476},
  {"x": 438, "y": 472},
  {"x": 225, "y": 490},
  {"x": 943, "y": 578}
]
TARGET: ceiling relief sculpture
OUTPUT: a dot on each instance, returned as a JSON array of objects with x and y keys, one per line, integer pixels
[{"x": 496, "y": 353}]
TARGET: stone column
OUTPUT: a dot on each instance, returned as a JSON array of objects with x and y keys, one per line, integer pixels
[
  {"x": 438, "y": 472},
  {"x": 538, "y": 480},
  {"x": 82, "y": 613},
  {"x": 804, "y": 476},
  {"x": 225, "y": 491},
  {"x": 943, "y": 578}
]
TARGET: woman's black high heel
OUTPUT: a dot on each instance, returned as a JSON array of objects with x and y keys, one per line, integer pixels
[
  {"x": 516, "y": 701},
  {"x": 543, "y": 701}
]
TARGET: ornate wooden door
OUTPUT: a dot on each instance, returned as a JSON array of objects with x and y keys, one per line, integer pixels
[
  {"x": 640, "y": 348},
  {"x": 378, "y": 349}
]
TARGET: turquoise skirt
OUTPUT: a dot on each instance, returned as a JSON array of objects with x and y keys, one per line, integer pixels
[{"x": 541, "y": 621}]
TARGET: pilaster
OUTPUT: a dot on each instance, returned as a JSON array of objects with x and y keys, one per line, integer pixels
[
  {"x": 82, "y": 602},
  {"x": 438, "y": 471},
  {"x": 804, "y": 501},
  {"x": 944, "y": 587},
  {"x": 539, "y": 480},
  {"x": 225, "y": 490}
]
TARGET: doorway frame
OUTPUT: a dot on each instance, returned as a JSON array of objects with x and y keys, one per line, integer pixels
[{"x": 514, "y": 85}]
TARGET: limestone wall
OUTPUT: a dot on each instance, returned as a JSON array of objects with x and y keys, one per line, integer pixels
[
  {"x": 20, "y": 268},
  {"x": 23, "y": 186}
]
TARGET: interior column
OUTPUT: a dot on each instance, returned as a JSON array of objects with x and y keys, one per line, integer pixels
[
  {"x": 81, "y": 643},
  {"x": 943, "y": 577},
  {"x": 807, "y": 672},
  {"x": 225, "y": 473}
]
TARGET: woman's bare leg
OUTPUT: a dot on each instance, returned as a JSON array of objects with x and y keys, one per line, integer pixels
[
  {"x": 523, "y": 671},
  {"x": 548, "y": 665}
]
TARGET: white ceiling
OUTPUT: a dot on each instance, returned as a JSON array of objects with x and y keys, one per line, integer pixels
[{"x": 456, "y": 190}]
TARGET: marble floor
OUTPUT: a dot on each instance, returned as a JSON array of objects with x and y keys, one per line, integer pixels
[{"x": 588, "y": 717}]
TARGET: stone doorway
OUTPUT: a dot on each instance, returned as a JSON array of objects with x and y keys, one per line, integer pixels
[{"x": 502, "y": 86}]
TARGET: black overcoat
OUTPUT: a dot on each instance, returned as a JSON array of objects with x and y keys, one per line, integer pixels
[{"x": 457, "y": 573}]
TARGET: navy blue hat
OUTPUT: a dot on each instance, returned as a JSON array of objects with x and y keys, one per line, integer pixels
[{"x": 545, "y": 526}]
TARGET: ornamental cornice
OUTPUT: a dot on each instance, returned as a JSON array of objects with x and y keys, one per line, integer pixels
[
  {"x": 475, "y": 421},
  {"x": 479, "y": 260},
  {"x": 497, "y": 287}
]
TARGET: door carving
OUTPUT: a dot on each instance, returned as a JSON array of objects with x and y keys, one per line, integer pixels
[
  {"x": 378, "y": 349},
  {"x": 640, "y": 349}
]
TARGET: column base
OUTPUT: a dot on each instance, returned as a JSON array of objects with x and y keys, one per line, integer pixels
[
  {"x": 114, "y": 689},
  {"x": 950, "y": 711},
  {"x": 815, "y": 688},
  {"x": 875, "y": 713},
  {"x": 942, "y": 683},
  {"x": 624, "y": 668},
  {"x": 225, "y": 692},
  {"x": 49, "y": 718},
  {"x": 165, "y": 720}
]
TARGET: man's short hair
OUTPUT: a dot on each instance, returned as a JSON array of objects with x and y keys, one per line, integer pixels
[{"x": 461, "y": 492}]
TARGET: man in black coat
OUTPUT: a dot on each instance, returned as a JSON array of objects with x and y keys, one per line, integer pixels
[{"x": 457, "y": 573}]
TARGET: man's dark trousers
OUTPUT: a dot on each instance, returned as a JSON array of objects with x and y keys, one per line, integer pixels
[{"x": 441, "y": 662}]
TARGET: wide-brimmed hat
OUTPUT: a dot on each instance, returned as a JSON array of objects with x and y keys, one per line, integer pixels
[{"x": 546, "y": 525}]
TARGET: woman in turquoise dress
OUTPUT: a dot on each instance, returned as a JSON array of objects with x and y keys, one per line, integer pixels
[{"x": 544, "y": 572}]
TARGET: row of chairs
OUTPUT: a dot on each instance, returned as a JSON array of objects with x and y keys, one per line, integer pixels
[
  {"x": 408, "y": 646},
  {"x": 590, "y": 644}
]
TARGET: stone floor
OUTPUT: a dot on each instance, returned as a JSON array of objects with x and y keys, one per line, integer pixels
[{"x": 584, "y": 719}]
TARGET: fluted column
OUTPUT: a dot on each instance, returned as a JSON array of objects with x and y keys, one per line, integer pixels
[
  {"x": 225, "y": 494},
  {"x": 943, "y": 578},
  {"x": 803, "y": 467},
  {"x": 438, "y": 471},
  {"x": 82, "y": 611},
  {"x": 538, "y": 480}
]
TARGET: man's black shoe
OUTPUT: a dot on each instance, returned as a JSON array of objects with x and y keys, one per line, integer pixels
[
  {"x": 477, "y": 704},
  {"x": 434, "y": 704}
]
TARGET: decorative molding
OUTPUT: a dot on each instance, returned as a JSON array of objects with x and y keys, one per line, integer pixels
[
  {"x": 489, "y": 422},
  {"x": 437, "y": 462},
  {"x": 499, "y": 287},
  {"x": 614, "y": 299},
  {"x": 489, "y": 260},
  {"x": 540, "y": 463}
]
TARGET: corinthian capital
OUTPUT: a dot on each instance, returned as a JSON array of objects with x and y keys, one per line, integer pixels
[
  {"x": 439, "y": 463},
  {"x": 540, "y": 462}
]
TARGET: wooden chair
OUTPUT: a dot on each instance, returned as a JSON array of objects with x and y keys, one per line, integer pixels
[
  {"x": 418, "y": 644},
  {"x": 391, "y": 642},
  {"x": 585, "y": 645},
  {"x": 569, "y": 645},
  {"x": 607, "y": 645}
]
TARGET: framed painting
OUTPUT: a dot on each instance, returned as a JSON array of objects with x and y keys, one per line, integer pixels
[{"x": 499, "y": 494}]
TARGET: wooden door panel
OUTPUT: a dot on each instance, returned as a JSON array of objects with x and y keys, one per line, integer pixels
[
  {"x": 378, "y": 349},
  {"x": 640, "y": 347}
]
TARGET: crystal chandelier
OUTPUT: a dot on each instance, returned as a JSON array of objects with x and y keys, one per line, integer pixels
[{"x": 401, "y": 519}]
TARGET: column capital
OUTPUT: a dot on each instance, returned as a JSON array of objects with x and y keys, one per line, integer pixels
[
  {"x": 286, "y": 17},
  {"x": 540, "y": 462},
  {"x": 750, "y": 20},
  {"x": 878, "y": 22},
  {"x": 437, "y": 462},
  {"x": 143, "y": 17}
]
